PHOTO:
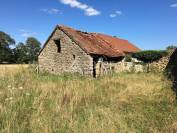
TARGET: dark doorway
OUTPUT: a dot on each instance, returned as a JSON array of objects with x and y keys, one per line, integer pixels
[
  {"x": 94, "y": 67},
  {"x": 58, "y": 44}
]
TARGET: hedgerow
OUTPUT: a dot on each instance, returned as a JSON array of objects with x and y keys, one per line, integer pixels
[{"x": 149, "y": 55}]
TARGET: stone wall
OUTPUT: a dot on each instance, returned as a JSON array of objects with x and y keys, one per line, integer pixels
[
  {"x": 108, "y": 67},
  {"x": 133, "y": 66},
  {"x": 71, "y": 58},
  {"x": 161, "y": 64}
]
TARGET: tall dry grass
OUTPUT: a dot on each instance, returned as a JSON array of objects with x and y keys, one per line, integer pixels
[
  {"x": 122, "y": 102},
  {"x": 11, "y": 68}
]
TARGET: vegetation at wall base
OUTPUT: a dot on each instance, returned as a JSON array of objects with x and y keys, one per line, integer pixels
[{"x": 128, "y": 58}]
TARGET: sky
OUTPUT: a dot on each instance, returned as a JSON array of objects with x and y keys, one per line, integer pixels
[{"x": 149, "y": 24}]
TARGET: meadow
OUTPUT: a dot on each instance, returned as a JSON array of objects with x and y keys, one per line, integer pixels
[{"x": 124, "y": 102}]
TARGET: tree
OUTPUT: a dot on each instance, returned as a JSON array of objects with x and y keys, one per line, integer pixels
[
  {"x": 6, "y": 54},
  {"x": 20, "y": 53},
  {"x": 33, "y": 47}
]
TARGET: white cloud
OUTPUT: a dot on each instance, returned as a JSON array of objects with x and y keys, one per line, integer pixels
[
  {"x": 118, "y": 12},
  {"x": 115, "y": 14},
  {"x": 26, "y": 33},
  {"x": 51, "y": 11},
  {"x": 89, "y": 11},
  {"x": 174, "y": 5}
]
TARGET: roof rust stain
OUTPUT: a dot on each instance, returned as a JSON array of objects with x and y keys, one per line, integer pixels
[{"x": 100, "y": 44}]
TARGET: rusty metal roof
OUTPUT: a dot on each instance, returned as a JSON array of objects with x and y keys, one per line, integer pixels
[{"x": 99, "y": 44}]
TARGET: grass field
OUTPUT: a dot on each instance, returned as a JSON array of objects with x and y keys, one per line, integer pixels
[
  {"x": 122, "y": 103},
  {"x": 4, "y": 69}
]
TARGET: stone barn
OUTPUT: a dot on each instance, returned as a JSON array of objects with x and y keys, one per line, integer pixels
[{"x": 72, "y": 51}]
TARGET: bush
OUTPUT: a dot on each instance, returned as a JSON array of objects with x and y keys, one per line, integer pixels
[
  {"x": 149, "y": 55},
  {"x": 128, "y": 58}
]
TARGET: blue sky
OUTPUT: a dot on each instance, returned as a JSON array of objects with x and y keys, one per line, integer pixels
[{"x": 149, "y": 24}]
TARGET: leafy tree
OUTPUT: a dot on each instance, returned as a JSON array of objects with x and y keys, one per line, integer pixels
[
  {"x": 33, "y": 47},
  {"x": 20, "y": 53},
  {"x": 6, "y": 54}
]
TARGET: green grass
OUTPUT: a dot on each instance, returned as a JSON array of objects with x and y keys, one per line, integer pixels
[{"x": 122, "y": 102}]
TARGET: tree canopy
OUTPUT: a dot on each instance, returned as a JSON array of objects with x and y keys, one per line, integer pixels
[
  {"x": 6, "y": 53},
  {"x": 21, "y": 53},
  {"x": 33, "y": 47}
]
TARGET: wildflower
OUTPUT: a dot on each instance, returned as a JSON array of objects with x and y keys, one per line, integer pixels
[
  {"x": 10, "y": 98},
  {"x": 9, "y": 86},
  {"x": 27, "y": 94},
  {"x": 21, "y": 88}
]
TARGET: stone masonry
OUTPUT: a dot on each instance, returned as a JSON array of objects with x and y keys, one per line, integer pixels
[
  {"x": 71, "y": 59},
  {"x": 161, "y": 64},
  {"x": 107, "y": 67}
]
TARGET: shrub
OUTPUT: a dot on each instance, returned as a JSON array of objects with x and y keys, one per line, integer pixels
[
  {"x": 149, "y": 55},
  {"x": 128, "y": 58}
]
